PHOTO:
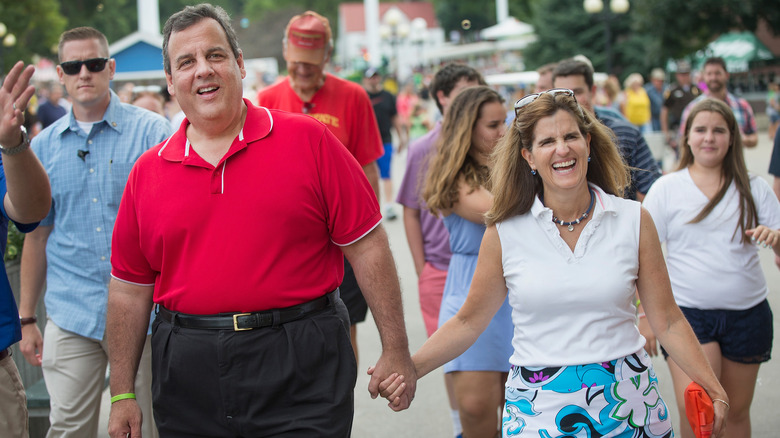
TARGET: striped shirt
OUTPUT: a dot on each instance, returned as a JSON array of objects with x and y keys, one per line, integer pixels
[
  {"x": 636, "y": 153},
  {"x": 88, "y": 172}
]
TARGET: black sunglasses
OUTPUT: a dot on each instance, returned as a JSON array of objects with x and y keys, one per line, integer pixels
[
  {"x": 554, "y": 92},
  {"x": 74, "y": 67}
]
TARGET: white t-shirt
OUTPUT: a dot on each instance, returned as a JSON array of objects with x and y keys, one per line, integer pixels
[
  {"x": 573, "y": 308},
  {"x": 709, "y": 266}
]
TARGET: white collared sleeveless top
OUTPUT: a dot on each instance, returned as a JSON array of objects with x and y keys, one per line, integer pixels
[{"x": 572, "y": 308}]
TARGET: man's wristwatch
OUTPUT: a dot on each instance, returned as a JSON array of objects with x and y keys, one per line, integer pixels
[{"x": 21, "y": 147}]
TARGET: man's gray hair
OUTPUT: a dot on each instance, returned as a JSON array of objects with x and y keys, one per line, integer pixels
[{"x": 192, "y": 15}]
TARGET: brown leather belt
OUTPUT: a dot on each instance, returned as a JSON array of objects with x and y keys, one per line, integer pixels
[
  {"x": 5, "y": 353},
  {"x": 246, "y": 321}
]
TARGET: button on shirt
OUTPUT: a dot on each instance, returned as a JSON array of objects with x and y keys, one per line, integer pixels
[{"x": 86, "y": 190}]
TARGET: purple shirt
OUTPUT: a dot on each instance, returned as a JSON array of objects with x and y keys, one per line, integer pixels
[{"x": 436, "y": 239}]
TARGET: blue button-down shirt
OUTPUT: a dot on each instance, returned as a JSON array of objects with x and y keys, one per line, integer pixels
[{"x": 88, "y": 172}]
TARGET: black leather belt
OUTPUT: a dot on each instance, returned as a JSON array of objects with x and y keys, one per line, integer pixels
[
  {"x": 246, "y": 321},
  {"x": 5, "y": 353}
]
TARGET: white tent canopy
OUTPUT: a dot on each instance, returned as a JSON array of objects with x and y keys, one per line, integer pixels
[{"x": 509, "y": 28}]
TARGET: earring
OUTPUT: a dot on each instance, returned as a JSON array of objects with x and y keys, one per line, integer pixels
[
  {"x": 533, "y": 171},
  {"x": 588, "y": 158}
]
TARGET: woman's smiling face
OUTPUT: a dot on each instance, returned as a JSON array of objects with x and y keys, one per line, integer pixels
[{"x": 559, "y": 152}]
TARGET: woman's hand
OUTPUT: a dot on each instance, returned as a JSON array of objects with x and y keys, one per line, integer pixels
[
  {"x": 765, "y": 237},
  {"x": 721, "y": 407},
  {"x": 391, "y": 389}
]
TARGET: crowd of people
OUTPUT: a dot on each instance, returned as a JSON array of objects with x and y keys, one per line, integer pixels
[{"x": 191, "y": 224}]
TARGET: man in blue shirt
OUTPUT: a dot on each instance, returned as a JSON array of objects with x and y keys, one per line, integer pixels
[
  {"x": 26, "y": 197},
  {"x": 51, "y": 110},
  {"x": 87, "y": 154}
]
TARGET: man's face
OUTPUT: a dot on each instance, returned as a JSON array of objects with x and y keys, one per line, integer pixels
[
  {"x": 305, "y": 76},
  {"x": 461, "y": 85},
  {"x": 544, "y": 83},
  {"x": 374, "y": 83},
  {"x": 86, "y": 87},
  {"x": 683, "y": 78},
  {"x": 55, "y": 95},
  {"x": 577, "y": 84},
  {"x": 715, "y": 77},
  {"x": 205, "y": 75}
]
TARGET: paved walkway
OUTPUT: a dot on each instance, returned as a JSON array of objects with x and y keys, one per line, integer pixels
[{"x": 429, "y": 415}]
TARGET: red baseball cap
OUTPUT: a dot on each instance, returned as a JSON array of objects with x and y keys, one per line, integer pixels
[{"x": 308, "y": 38}]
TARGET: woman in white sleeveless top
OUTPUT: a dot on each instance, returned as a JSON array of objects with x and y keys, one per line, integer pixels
[{"x": 572, "y": 252}]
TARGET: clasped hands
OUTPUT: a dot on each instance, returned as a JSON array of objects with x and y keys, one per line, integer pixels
[{"x": 397, "y": 384}]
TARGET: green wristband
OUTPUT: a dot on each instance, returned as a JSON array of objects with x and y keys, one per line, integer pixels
[{"x": 124, "y": 396}]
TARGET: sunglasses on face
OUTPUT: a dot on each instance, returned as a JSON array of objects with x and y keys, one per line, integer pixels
[
  {"x": 526, "y": 100},
  {"x": 74, "y": 67}
]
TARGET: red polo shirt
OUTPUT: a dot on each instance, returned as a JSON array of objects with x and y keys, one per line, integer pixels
[{"x": 259, "y": 231}]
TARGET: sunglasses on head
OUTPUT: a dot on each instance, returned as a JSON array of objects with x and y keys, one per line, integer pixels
[
  {"x": 74, "y": 67},
  {"x": 526, "y": 100}
]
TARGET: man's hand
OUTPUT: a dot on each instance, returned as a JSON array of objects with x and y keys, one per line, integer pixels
[
  {"x": 125, "y": 419},
  {"x": 389, "y": 367},
  {"x": 31, "y": 344},
  {"x": 15, "y": 95}
]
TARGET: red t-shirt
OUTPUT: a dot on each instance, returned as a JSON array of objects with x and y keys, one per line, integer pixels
[
  {"x": 259, "y": 231},
  {"x": 341, "y": 105}
]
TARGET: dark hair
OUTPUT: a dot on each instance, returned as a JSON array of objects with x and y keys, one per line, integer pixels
[
  {"x": 716, "y": 60},
  {"x": 572, "y": 67},
  {"x": 733, "y": 167},
  {"x": 448, "y": 76},
  {"x": 192, "y": 15},
  {"x": 514, "y": 187},
  {"x": 80, "y": 34}
]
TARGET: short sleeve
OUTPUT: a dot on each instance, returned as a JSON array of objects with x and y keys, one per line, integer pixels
[
  {"x": 654, "y": 203},
  {"x": 351, "y": 207},
  {"x": 128, "y": 262},
  {"x": 766, "y": 202}
]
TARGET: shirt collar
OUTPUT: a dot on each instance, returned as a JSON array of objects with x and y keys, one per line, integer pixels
[
  {"x": 258, "y": 125},
  {"x": 111, "y": 117},
  {"x": 603, "y": 203}
]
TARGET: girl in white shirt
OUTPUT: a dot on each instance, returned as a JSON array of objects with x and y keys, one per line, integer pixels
[{"x": 714, "y": 218}]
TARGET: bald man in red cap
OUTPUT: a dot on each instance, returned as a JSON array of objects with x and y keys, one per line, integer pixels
[{"x": 343, "y": 106}]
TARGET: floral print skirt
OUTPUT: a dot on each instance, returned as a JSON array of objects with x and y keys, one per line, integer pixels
[{"x": 619, "y": 398}]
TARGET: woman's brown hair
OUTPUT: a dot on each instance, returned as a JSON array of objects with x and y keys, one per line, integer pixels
[
  {"x": 733, "y": 167},
  {"x": 452, "y": 160},
  {"x": 514, "y": 187}
]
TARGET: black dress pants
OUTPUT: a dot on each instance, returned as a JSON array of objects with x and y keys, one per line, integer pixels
[{"x": 293, "y": 380}]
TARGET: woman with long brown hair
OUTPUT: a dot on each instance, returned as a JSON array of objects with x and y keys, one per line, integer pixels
[
  {"x": 457, "y": 188},
  {"x": 572, "y": 253},
  {"x": 714, "y": 218}
]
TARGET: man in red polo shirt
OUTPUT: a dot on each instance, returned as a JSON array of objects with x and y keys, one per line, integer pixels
[
  {"x": 343, "y": 106},
  {"x": 236, "y": 227}
]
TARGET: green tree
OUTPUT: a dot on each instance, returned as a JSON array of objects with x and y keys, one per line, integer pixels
[
  {"x": 36, "y": 24},
  {"x": 115, "y": 18},
  {"x": 683, "y": 27},
  {"x": 465, "y": 17},
  {"x": 564, "y": 29}
]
